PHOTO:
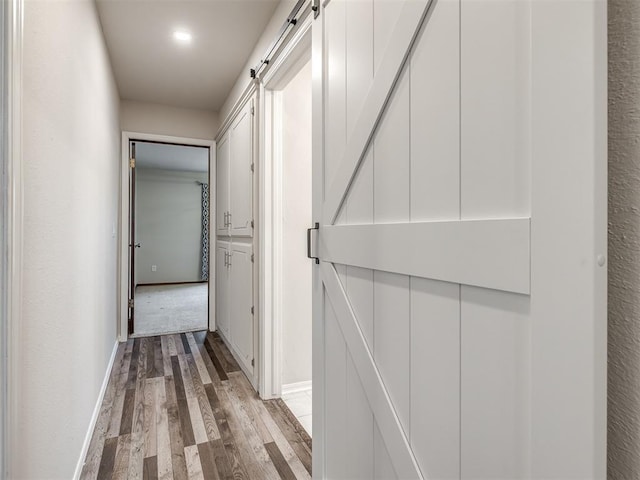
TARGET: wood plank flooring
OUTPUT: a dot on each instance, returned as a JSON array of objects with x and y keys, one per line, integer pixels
[{"x": 179, "y": 407}]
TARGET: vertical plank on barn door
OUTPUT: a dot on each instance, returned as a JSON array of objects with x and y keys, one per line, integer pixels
[
  {"x": 435, "y": 116},
  {"x": 435, "y": 195},
  {"x": 336, "y": 396},
  {"x": 495, "y": 183},
  {"x": 435, "y": 377},
  {"x": 359, "y": 57},
  {"x": 335, "y": 78}
]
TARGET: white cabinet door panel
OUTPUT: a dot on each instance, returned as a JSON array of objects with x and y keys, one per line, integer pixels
[
  {"x": 222, "y": 186},
  {"x": 241, "y": 303},
  {"x": 222, "y": 288},
  {"x": 241, "y": 175}
]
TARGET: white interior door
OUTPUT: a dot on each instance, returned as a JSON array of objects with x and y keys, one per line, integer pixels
[
  {"x": 222, "y": 288},
  {"x": 222, "y": 186},
  {"x": 241, "y": 133},
  {"x": 460, "y": 185},
  {"x": 241, "y": 303}
]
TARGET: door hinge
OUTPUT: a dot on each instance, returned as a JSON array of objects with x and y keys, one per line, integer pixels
[
  {"x": 253, "y": 258},
  {"x": 253, "y": 110},
  {"x": 253, "y": 167},
  {"x": 253, "y": 362},
  {"x": 131, "y": 302},
  {"x": 132, "y": 163},
  {"x": 252, "y": 224},
  {"x": 316, "y": 227},
  {"x": 252, "y": 310}
]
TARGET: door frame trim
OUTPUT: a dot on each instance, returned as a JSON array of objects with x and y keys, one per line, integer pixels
[
  {"x": 295, "y": 54},
  {"x": 11, "y": 238},
  {"x": 123, "y": 247}
]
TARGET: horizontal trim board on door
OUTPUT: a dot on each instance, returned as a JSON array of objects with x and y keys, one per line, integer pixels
[{"x": 492, "y": 254}]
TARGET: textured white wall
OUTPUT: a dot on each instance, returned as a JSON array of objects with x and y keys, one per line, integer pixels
[
  {"x": 296, "y": 200},
  {"x": 144, "y": 117},
  {"x": 624, "y": 240},
  {"x": 71, "y": 148},
  {"x": 168, "y": 225}
]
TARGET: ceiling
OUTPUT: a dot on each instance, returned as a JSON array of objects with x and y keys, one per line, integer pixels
[
  {"x": 172, "y": 157},
  {"x": 150, "y": 66}
]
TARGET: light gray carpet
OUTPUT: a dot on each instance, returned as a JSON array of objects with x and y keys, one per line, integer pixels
[{"x": 171, "y": 308}]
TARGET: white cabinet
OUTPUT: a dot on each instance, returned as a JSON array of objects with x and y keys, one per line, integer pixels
[
  {"x": 234, "y": 300},
  {"x": 235, "y": 176},
  {"x": 241, "y": 303},
  {"x": 223, "y": 283},
  {"x": 234, "y": 227},
  {"x": 222, "y": 186}
]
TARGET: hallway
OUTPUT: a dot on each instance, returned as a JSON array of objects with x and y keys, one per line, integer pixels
[
  {"x": 461, "y": 262},
  {"x": 178, "y": 406}
]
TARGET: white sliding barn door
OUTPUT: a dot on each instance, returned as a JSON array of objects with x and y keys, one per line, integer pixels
[{"x": 460, "y": 187}]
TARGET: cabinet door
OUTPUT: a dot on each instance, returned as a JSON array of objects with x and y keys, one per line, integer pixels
[
  {"x": 222, "y": 289},
  {"x": 241, "y": 176},
  {"x": 241, "y": 295},
  {"x": 222, "y": 186}
]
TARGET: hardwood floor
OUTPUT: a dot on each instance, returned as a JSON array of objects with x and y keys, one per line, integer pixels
[{"x": 178, "y": 407}]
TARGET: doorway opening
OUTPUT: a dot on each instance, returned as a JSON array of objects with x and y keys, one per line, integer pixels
[
  {"x": 169, "y": 267},
  {"x": 288, "y": 166}
]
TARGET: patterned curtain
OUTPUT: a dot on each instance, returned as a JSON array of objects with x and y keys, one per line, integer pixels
[{"x": 205, "y": 232}]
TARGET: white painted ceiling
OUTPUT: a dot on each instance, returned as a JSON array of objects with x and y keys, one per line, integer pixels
[
  {"x": 150, "y": 66},
  {"x": 172, "y": 157}
]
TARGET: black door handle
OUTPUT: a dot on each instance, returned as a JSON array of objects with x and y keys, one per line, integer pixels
[{"x": 315, "y": 227}]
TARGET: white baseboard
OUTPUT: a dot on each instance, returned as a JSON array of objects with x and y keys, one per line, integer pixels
[
  {"x": 96, "y": 413},
  {"x": 296, "y": 387}
]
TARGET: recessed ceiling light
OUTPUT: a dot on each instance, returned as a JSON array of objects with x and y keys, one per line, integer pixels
[{"x": 182, "y": 36}]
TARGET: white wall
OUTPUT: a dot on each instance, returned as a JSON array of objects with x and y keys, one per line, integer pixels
[
  {"x": 268, "y": 36},
  {"x": 144, "y": 117},
  {"x": 71, "y": 147},
  {"x": 624, "y": 240},
  {"x": 4, "y": 219},
  {"x": 296, "y": 109},
  {"x": 168, "y": 225}
]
